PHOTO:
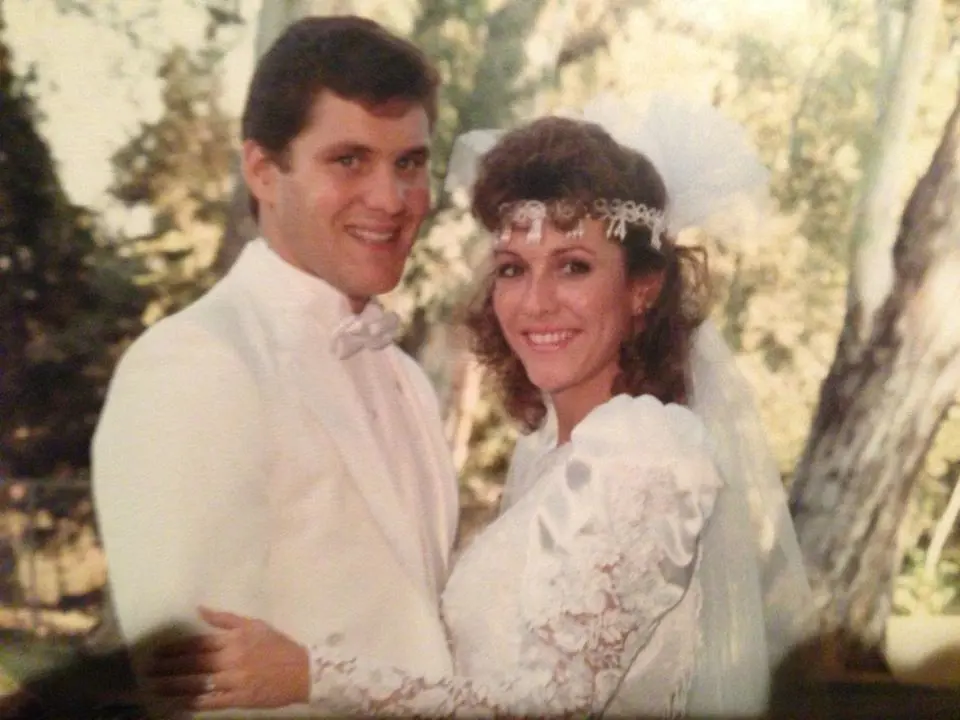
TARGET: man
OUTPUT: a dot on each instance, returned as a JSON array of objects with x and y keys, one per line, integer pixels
[{"x": 267, "y": 450}]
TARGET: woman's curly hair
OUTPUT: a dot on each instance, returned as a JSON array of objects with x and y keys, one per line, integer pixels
[{"x": 559, "y": 159}]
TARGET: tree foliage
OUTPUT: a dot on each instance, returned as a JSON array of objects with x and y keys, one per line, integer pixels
[
  {"x": 177, "y": 170},
  {"x": 66, "y": 305}
]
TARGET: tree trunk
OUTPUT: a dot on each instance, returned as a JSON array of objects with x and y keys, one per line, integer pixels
[
  {"x": 524, "y": 39},
  {"x": 945, "y": 525},
  {"x": 875, "y": 226},
  {"x": 880, "y": 407},
  {"x": 468, "y": 383}
]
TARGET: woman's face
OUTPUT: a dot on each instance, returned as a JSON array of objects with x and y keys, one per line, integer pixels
[{"x": 565, "y": 306}]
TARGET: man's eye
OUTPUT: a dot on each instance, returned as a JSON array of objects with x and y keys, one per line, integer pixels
[
  {"x": 347, "y": 161},
  {"x": 411, "y": 163}
]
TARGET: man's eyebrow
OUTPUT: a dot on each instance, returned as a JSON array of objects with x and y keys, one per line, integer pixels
[
  {"x": 345, "y": 147},
  {"x": 351, "y": 147},
  {"x": 421, "y": 152}
]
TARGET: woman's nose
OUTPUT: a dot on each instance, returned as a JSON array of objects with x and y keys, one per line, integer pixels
[{"x": 541, "y": 296}]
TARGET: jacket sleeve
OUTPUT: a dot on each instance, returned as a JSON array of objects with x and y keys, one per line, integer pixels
[{"x": 178, "y": 468}]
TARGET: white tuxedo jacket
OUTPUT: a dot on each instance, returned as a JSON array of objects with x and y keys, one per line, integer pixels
[{"x": 233, "y": 466}]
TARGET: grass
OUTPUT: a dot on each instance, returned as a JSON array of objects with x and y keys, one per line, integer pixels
[
  {"x": 7, "y": 684},
  {"x": 67, "y": 683},
  {"x": 24, "y": 656}
]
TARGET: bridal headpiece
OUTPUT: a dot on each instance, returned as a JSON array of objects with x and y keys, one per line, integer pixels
[
  {"x": 616, "y": 214},
  {"x": 705, "y": 161}
]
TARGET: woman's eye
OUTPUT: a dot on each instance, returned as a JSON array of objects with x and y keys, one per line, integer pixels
[
  {"x": 507, "y": 270},
  {"x": 576, "y": 267}
]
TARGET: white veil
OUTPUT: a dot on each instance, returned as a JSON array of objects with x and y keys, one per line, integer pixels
[
  {"x": 751, "y": 564},
  {"x": 738, "y": 655}
]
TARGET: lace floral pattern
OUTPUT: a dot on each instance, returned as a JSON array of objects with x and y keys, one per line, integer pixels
[{"x": 611, "y": 549}]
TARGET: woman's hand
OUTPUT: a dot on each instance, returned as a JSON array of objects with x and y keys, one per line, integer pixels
[{"x": 248, "y": 664}]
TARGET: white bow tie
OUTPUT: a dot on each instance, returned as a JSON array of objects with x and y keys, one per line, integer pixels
[{"x": 373, "y": 329}]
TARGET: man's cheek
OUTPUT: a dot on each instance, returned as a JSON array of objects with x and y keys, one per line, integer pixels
[{"x": 418, "y": 199}]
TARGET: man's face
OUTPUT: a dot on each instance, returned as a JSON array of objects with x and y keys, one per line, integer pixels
[{"x": 346, "y": 202}]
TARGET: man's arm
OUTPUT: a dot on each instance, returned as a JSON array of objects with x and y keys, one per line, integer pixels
[{"x": 178, "y": 479}]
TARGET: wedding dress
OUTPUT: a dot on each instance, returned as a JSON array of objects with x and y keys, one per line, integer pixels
[
  {"x": 591, "y": 571},
  {"x": 647, "y": 568}
]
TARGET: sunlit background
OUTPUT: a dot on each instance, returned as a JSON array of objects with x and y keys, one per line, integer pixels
[{"x": 846, "y": 101}]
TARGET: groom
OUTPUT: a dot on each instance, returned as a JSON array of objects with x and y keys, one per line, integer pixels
[{"x": 268, "y": 450}]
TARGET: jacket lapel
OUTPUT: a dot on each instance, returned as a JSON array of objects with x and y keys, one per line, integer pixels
[
  {"x": 329, "y": 394},
  {"x": 296, "y": 308},
  {"x": 443, "y": 488}
]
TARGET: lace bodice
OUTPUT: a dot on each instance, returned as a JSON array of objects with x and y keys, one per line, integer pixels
[{"x": 592, "y": 572}]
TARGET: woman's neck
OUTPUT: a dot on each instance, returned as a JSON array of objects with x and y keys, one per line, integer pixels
[{"x": 574, "y": 404}]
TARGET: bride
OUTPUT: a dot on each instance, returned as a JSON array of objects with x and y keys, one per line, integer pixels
[{"x": 643, "y": 561}]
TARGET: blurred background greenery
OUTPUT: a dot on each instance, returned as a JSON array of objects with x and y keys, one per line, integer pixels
[{"x": 125, "y": 205}]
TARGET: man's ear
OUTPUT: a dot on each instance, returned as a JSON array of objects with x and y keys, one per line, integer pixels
[
  {"x": 646, "y": 290},
  {"x": 259, "y": 171}
]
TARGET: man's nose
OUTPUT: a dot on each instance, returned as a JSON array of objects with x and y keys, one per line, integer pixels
[{"x": 386, "y": 191}]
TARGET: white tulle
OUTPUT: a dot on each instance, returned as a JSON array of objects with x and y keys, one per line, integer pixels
[
  {"x": 752, "y": 566},
  {"x": 462, "y": 165},
  {"x": 705, "y": 159}
]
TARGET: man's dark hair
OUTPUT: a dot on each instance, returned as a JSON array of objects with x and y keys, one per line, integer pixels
[{"x": 351, "y": 56}]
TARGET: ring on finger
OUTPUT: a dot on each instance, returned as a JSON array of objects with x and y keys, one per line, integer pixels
[{"x": 209, "y": 685}]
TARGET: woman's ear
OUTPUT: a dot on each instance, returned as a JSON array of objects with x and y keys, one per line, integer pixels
[{"x": 645, "y": 292}]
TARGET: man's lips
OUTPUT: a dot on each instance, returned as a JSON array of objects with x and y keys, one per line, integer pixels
[{"x": 381, "y": 235}]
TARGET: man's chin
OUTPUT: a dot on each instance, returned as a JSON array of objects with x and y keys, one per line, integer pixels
[
  {"x": 388, "y": 285},
  {"x": 379, "y": 287}
]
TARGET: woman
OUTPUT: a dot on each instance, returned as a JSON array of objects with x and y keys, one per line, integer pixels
[{"x": 619, "y": 574}]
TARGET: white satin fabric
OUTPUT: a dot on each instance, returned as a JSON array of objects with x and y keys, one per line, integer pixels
[
  {"x": 757, "y": 603},
  {"x": 592, "y": 572}
]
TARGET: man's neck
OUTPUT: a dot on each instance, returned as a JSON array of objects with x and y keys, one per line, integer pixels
[{"x": 356, "y": 304}]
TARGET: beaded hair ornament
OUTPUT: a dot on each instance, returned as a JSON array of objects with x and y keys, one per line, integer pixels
[
  {"x": 568, "y": 215},
  {"x": 706, "y": 162}
]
